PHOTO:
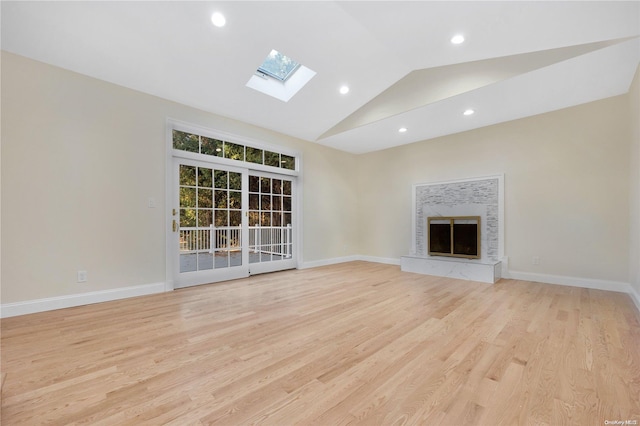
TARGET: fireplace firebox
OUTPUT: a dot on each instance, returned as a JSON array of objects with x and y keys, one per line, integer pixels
[{"x": 457, "y": 236}]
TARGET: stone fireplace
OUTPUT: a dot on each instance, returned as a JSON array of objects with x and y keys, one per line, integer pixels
[{"x": 442, "y": 204}]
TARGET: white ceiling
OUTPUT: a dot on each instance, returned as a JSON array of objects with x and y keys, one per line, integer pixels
[{"x": 519, "y": 59}]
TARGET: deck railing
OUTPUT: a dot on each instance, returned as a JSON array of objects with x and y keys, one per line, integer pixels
[
  {"x": 271, "y": 240},
  {"x": 275, "y": 240}
]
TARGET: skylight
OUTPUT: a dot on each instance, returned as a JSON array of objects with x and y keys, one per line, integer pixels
[
  {"x": 278, "y": 66},
  {"x": 280, "y": 76}
]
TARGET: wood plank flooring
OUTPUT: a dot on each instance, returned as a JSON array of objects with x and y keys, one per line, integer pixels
[{"x": 355, "y": 343}]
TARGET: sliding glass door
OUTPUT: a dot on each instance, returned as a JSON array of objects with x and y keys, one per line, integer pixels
[{"x": 229, "y": 222}]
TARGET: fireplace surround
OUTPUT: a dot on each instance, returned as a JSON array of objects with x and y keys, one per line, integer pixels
[{"x": 475, "y": 197}]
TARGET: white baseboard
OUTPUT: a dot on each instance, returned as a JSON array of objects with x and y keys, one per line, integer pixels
[
  {"x": 69, "y": 301},
  {"x": 325, "y": 262},
  {"x": 61, "y": 302},
  {"x": 386, "y": 260},
  {"x": 336, "y": 260},
  {"x": 618, "y": 286},
  {"x": 635, "y": 296}
]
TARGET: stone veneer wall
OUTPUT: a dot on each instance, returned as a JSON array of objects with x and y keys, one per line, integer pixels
[{"x": 479, "y": 197}]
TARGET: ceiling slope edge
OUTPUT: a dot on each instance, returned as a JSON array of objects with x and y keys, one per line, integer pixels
[{"x": 426, "y": 86}]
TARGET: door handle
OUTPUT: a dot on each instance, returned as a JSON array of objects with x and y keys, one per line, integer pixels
[{"x": 174, "y": 225}]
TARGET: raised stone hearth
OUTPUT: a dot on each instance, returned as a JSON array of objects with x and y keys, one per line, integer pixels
[
  {"x": 481, "y": 197},
  {"x": 453, "y": 268}
]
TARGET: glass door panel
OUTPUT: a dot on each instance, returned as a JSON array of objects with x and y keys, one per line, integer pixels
[
  {"x": 271, "y": 236},
  {"x": 209, "y": 223}
]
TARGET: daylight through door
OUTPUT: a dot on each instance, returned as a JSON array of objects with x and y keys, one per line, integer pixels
[
  {"x": 233, "y": 208},
  {"x": 209, "y": 223}
]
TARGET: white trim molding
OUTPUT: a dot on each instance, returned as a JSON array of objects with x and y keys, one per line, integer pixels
[
  {"x": 69, "y": 301},
  {"x": 617, "y": 286},
  {"x": 72, "y": 300},
  {"x": 325, "y": 262},
  {"x": 635, "y": 297},
  {"x": 345, "y": 259}
]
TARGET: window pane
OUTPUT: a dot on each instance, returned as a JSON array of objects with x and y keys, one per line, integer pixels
[
  {"x": 221, "y": 199},
  {"x": 205, "y": 218},
  {"x": 277, "y": 219},
  {"x": 205, "y": 197},
  {"x": 221, "y": 239},
  {"x": 277, "y": 202},
  {"x": 287, "y": 162},
  {"x": 204, "y": 177},
  {"x": 277, "y": 186},
  {"x": 221, "y": 179},
  {"x": 287, "y": 219},
  {"x": 221, "y": 218},
  {"x": 233, "y": 151},
  {"x": 205, "y": 261},
  {"x": 235, "y": 181},
  {"x": 253, "y": 218},
  {"x": 254, "y": 155},
  {"x": 187, "y": 175},
  {"x": 265, "y": 185},
  {"x": 265, "y": 219},
  {"x": 187, "y": 218},
  {"x": 266, "y": 202},
  {"x": 271, "y": 159},
  {"x": 286, "y": 204},
  {"x": 235, "y": 200},
  {"x": 188, "y": 262},
  {"x": 235, "y": 218},
  {"x": 212, "y": 147},
  {"x": 235, "y": 258},
  {"x": 286, "y": 187},
  {"x": 254, "y": 202},
  {"x": 254, "y": 184},
  {"x": 187, "y": 197},
  {"x": 186, "y": 141},
  {"x": 222, "y": 259}
]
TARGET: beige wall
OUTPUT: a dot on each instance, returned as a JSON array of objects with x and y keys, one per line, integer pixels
[
  {"x": 566, "y": 188},
  {"x": 634, "y": 251},
  {"x": 80, "y": 159}
]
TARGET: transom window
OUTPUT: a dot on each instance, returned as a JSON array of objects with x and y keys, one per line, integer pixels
[{"x": 191, "y": 142}]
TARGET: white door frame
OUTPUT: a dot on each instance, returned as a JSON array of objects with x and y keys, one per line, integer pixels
[
  {"x": 187, "y": 279},
  {"x": 172, "y": 124}
]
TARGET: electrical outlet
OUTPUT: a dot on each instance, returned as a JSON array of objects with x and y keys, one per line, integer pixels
[
  {"x": 535, "y": 260},
  {"x": 82, "y": 276}
]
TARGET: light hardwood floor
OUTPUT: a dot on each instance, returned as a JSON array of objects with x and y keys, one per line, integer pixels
[{"x": 355, "y": 343}]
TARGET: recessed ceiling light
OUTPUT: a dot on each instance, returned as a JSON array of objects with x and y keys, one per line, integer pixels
[
  {"x": 218, "y": 19},
  {"x": 469, "y": 112},
  {"x": 344, "y": 89},
  {"x": 402, "y": 129},
  {"x": 457, "y": 39}
]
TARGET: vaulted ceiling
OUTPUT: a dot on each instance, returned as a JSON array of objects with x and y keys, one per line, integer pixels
[{"x": 518, "y": 59}]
